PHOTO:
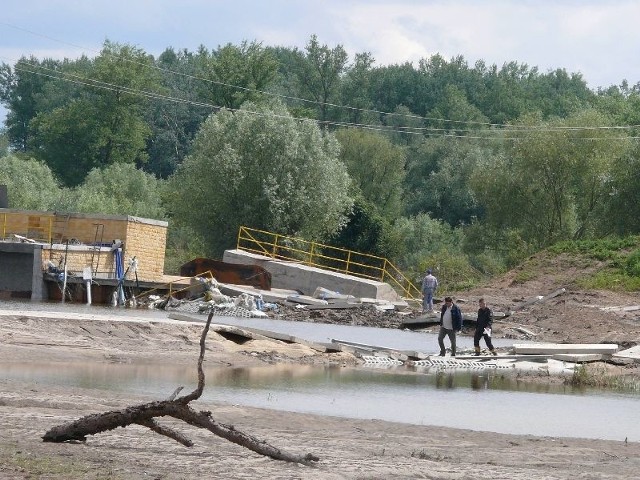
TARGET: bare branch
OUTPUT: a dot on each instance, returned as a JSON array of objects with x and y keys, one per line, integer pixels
[{"x": 145, "y": 414}]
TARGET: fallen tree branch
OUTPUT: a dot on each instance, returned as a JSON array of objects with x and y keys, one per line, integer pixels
[{"x": 178, "y": 408}]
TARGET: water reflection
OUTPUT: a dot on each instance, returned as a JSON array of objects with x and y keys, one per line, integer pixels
[{"x": 507, "y": 405}]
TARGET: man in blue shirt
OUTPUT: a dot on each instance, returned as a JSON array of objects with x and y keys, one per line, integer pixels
[{"x": 429, "y": 286}]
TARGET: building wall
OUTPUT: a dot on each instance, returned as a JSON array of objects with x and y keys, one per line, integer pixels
[
  {"x": 90, "y": 237},
  {"x": 147, "y": 243},
  {"x": 20, "y": 271},
  {"x": 80, "y": 256}
]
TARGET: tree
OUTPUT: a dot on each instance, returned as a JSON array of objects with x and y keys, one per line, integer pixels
[
  {"x": 376, "y": 167},
  {"x": 30, "y": 183},
  {"x": 235, "y": 75},
  {"x": 395, "y": 85},
  {"x": 454, "y": 114},
  {"x": 437, "y": 179},
  {"x": 118, "y": 189},
  {"x": 319, "y": 73},
  {"x": 368, "y": 232},
  {"x": 262, "y": 168},
  {"x": 174, "y": 123},
  {"x": 356, "y": 86},
  {"x": 104, "y": 123},
  {"x": 21, "y": 90},
  {"x": 554, "y": 179}
]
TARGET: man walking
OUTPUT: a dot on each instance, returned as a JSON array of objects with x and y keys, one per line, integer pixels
[
  {"x": 429, "y": 286},
  {"x": 450, "y": 324},
  {"x": 483, "y": 328}
]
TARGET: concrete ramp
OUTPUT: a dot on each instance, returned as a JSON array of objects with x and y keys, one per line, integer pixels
[
  {"x": 565, "y": 348},
  {"x": 632, "y": 353},
  {"x": 306, "y": 279}
]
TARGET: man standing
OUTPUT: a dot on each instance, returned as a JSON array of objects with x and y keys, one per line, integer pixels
[
  {"x": 483, "y": 328},
  {"x": 429, "y": 286},
  {"x": 450, "y": 324}
]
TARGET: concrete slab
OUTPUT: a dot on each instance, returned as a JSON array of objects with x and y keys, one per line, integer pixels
[
  {"x": 579, "y": 357},
  {"x": 565, "y": 348},
  {"x": 631, "y": 353},
  {"x": 335, "y": 306},
  {"x": 275, "y": 295},
  {"x": 237, "y": 331},
  {"x": 294, "y": 275},
  {"x": 306, "y": 300}
]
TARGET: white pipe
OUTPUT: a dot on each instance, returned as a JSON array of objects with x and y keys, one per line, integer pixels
[{"x": 88, "y": 292}]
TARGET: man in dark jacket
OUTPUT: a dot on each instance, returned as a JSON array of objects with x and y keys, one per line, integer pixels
[
  {"x": 483, "y": 328},
  {"x": 450, "y": 324}
]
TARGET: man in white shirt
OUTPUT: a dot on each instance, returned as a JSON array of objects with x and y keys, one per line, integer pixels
[{"x": 450, "y": 324}]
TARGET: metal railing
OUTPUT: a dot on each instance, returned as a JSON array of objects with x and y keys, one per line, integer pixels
[
  {"x": 24, "y": 225},
  {"x": 313, "y": 254}
]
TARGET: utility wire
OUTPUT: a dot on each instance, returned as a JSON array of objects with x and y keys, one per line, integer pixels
[
  {"x": 404, "y": 129},
  {"x": 424, "y": 131}
]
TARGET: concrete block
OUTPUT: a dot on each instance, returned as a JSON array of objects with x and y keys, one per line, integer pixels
[{"x": 297, "y": 276}]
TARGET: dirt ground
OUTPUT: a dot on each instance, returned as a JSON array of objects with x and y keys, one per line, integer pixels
[{"x": 348, "y": 449}]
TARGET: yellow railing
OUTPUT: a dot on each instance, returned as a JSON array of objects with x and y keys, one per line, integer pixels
[
  {"x": 35, "y": 226},
  {"x": 281, "y": 247}
]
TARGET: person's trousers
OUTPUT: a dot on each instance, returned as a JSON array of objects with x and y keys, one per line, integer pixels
[
  {"x": 427, "y": 301},
  {"x": 452, "y": 338},
  {"x": 476, "y": 339}
]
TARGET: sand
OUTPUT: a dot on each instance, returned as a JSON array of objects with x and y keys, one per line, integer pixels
[{"x": 348, "y": 449}]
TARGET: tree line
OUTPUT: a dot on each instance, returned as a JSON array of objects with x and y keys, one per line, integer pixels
[{"x": 463, "y": 168}]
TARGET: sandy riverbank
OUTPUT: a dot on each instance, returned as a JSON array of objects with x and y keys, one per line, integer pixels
[{"x": 348, "y": 449}]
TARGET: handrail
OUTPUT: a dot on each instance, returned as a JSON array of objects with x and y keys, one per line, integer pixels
[
  {"x": 21, "y": 226},
  {"x": 327, "y": 257}
]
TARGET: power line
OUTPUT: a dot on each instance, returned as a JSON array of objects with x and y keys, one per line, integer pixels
[
  {"x": 404, "y": 129},
  {"x": 423, "y": 131}
]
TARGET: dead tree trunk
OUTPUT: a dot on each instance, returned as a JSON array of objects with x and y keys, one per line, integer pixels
[{"x": 179, "y": 408}]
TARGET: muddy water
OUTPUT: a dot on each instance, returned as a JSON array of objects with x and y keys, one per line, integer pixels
[
  {"x": 316, "y": 332},
  {"x": 485, "y": 400}
]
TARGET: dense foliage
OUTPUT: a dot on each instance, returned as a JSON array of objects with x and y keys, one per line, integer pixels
[{"x": 464, "y": 168}]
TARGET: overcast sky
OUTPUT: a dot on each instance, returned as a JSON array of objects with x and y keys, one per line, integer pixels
[{"x": 599, "y": 39}]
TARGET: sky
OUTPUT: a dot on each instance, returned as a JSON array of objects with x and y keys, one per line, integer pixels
[{"x": 599, "y": 39}]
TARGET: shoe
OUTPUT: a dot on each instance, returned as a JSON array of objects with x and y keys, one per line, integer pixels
[
  {"x": 477, "y": 354},
  {"x": 441, "y": 354},
  {"x": 494, "y": 353}
]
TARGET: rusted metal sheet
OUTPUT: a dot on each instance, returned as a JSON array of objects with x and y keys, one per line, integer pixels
[{"x": 234, "y": 273}]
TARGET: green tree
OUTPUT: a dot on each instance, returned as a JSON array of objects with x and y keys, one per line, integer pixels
[
  {"x": 553, "y": 181},
  {"x": 262, "y": 168},
  {"x": 118, "y": 189},
  {"x": 376, "y": 167},
  {"x": 395, "y": 85},
  {"x": 4, "y": 143},
  {"x": 105, "y": 123},
  {"x": 22, "y": 89},
  {"x": 30, "y": 183},
  {"x": 174, "y": 123},
  {"x": 319, "y": 73},
  {"x": 356, "y": 86},
  {"x": 236, "y": 74},
  {"x": 454, "y": 114},
  {"x": 437, "y": 179}
]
